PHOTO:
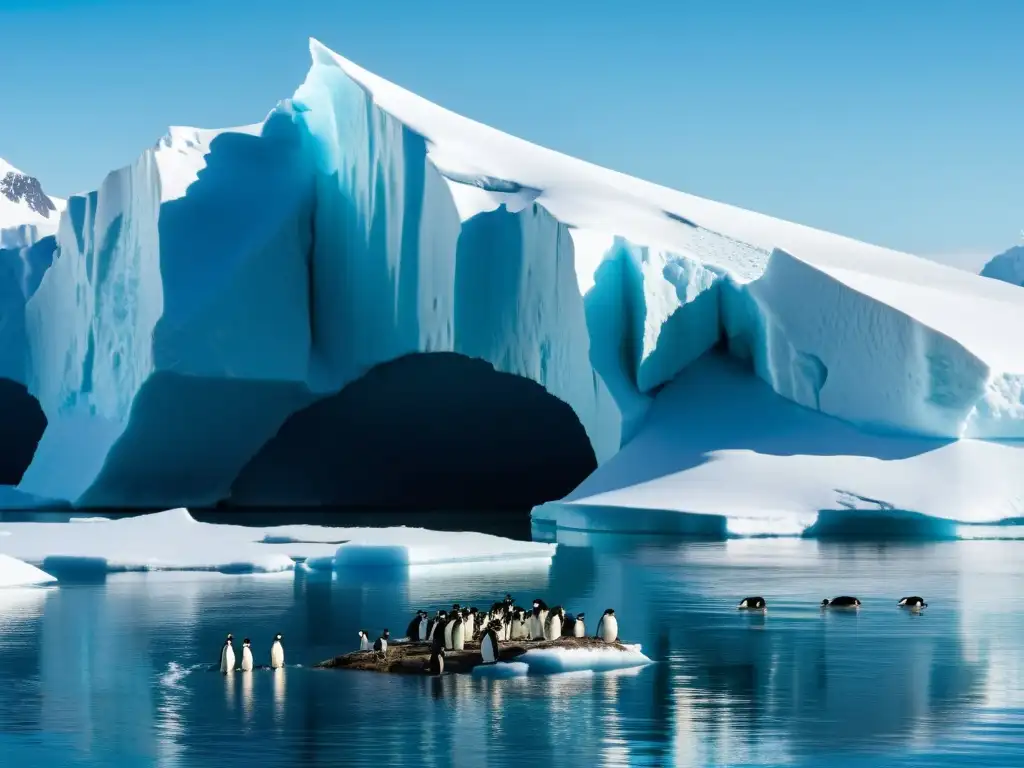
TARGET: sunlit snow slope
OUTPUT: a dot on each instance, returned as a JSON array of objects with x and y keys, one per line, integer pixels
[{"x": 230, "y": 278}]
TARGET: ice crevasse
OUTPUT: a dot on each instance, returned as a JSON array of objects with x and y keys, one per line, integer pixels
[{"x": 229, "y": 278}]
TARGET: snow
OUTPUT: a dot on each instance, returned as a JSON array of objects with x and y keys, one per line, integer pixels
[
  {"x": 174, "y": 541},
  {"x": 553, "y": 661},
  {"x": 234, "y": 277},
  {"x": 21, "y": 222},
  {"x": 722, "y": 455},
  {"x": 1008, "y": 266},
  {"x": 15, "y": 573}
]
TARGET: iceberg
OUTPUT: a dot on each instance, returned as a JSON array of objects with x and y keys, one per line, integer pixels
[
  {"x": 1008, "y": 266},
  {"x": 206, "y": 304},
  {"x": 557, "y": 661},
  {"x": 15, "y": 573},
  {"x": 174, "y": 541}
]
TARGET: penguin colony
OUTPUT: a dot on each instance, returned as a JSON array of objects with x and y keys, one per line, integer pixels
[
  {"x": 843, "y": 602},
  {"x": 227, "y": 655},
  {"x": 503, "y": 622}
]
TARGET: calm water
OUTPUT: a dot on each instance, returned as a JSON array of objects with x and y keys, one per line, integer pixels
[{"x": 113, "y": 674}]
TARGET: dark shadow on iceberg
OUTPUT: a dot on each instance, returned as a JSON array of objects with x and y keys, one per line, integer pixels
[
  {"x": 426, "y": 431},
  {"x": 21, "y": 426}
]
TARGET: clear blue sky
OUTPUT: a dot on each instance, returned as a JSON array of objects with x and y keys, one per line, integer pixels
[{"x": 897, "y": 123}]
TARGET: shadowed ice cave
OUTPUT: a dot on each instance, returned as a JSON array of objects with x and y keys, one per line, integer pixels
[
  {"x": 21, "y": 427},
  {"x": 431, "y": 431}
]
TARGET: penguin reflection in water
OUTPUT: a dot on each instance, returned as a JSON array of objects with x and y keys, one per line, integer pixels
[{"x": 227, "y": 656}]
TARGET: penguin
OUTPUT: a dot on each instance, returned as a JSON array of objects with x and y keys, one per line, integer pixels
[
  {"x": 489, "y": 645},
  {"x": 579, "y": 629},
  {"x": 843, "y": 601},
  {"x": 437, "y": 625},
  {"x": 752, "y": 604},
  {"x": 423, "y": 628},
  {"x": 506, "y": 627},
  {"x": 469, "y": 619},
  {"x": 364, "y": 640},
  {"x": 508, "y": 602},
  {"x": 537, "y": 619},
  {"x": 436, "y": 664},
  {"x": 246, "y": 655},
  {"x": 413, "y": 630},
  {"x": 553, "y": 625},
  {"x": 448, "y": 627},
  {"x": 380, "y": 645},
  {"x": 277, "y": 653},
  {"x": 915, "y": 603},
  {"x": 458, "y": 634},
  {"x": 520, "y": 630},
  {"x": 227, "y": 656},
  {"x": 608, "y": 627}
]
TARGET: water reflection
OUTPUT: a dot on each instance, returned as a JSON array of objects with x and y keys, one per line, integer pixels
[{"x": 118, "y": 673}]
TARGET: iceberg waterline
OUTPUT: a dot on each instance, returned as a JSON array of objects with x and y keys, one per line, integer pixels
[
  {"x": 174, "y": 541},
  {"x": 232, "y": 278}
]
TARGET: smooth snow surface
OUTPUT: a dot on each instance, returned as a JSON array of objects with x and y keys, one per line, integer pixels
[
  {"x": 1008, "y": 266},
  {"x": 553, "y": 661},
  {"x": 15, "y": 573},
  {"x": 228, "y": 279},
  {"x": 721, "y": 454},
  {"x": 173, "y": 540}
]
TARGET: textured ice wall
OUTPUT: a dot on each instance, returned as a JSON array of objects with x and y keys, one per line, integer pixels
[{"x": 228, "y": 279}]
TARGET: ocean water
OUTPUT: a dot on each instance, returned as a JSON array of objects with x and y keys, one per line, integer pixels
[{"x": 114, "y": 673}]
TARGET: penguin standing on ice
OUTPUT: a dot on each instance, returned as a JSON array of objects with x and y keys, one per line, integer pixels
[
  {"x": 579, "y": 629},
  {"x": 437, "y": 625},
  {"x": 537, "y": 619},
  {"x": 553, "y": 626},
  {"x": 520, "y": 631},
  {"x": 380, "y": 645},
  {"x": 489, "y": 645},
  {"x": 227, "y": 656},
  {"x": 458, "y": 634},
  {"x": 413, "y": 630},
  {"x": 448, "y": 628},
  {"x": 246, "y": 655},
  {"x": 364, "y": 640},
  {"x": 423, "y": 629},
  {"x": 608, "y": 627},
  {"x": 277, "y": 653}
]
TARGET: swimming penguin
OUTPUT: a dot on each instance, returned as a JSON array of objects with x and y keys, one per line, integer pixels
[
  {"x": 915, "y": 602},
  {"x": 277, "y": 653},
  {"x": 608, "y": 627},
  {"x": 489, "y": 645},
  {"x": 537, "y": 619},
  {"x": 753, "y": 604},
  {"x": 553, "y": 625},
  {"x": 423, "y": 628},
  {"x": 380, "y": 645},
  {"x": 364, "y": 640},
  {"x": 436, "y": 664},
  {"x": 843, "y": 601},
  {"x": 579, "y": 629},
  {"x": 413, "y": 630},
  {"x": 246, "y": 655},
  {"x": 227, "y": 656},
  {"x": 458, "y": 634}
]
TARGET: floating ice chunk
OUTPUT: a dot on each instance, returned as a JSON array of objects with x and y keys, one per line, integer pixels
[
  {"x": 15, "y": 573},
  {"x": 556, "y": 660},
  {"x": 173, "y": 540}
]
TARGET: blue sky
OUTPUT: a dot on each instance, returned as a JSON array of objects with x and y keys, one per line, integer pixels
[{"x": 897, "y": 123}]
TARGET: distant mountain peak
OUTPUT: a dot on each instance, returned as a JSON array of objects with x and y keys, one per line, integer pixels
[{"x": 21, "y": 188}]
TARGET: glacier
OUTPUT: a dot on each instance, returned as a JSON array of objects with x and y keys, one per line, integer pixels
[{"x": 228, "y": 281}]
